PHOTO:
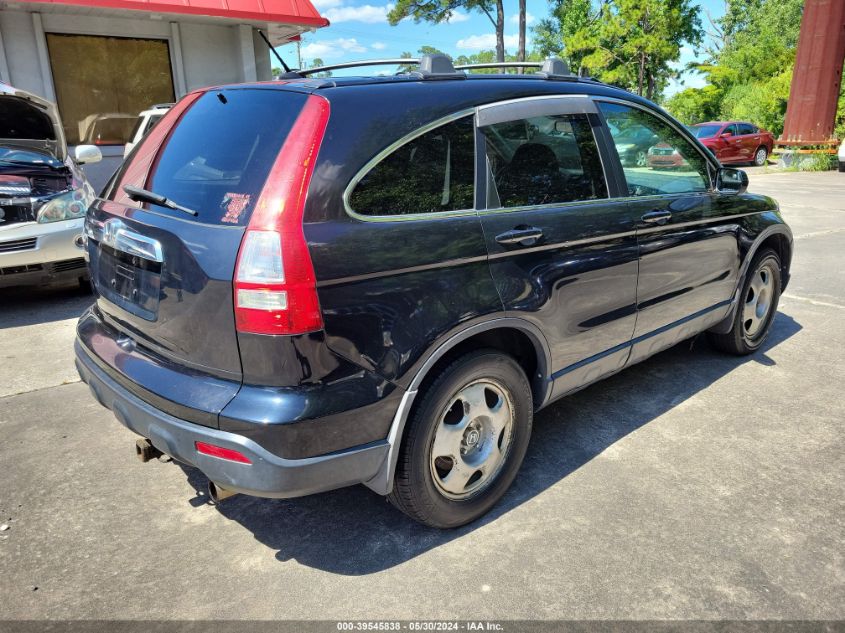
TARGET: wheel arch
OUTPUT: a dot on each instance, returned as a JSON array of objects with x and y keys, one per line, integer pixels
[
  {"x": 778, "y": 237},
  {"x": 517, "y": 337}
]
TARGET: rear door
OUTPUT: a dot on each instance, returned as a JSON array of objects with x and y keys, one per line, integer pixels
[
  {"x": 563, "y": 253},
  {"x": 164, "y": 277},
  {"x": 749, "y": 141}
]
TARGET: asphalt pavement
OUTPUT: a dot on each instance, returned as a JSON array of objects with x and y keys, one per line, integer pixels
[{"x": 692, "y": 486}]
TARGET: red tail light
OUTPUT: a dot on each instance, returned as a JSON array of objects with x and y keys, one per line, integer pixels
[
  {"x": 223, "y": 453},
  {"x": 275, "y": 288}
]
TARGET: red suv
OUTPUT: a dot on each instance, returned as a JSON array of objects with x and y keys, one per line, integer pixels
[{"x": 735, "y": 141}]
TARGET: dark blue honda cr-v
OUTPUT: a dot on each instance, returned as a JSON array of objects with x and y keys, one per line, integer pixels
[{"x": 314, "y": 283}]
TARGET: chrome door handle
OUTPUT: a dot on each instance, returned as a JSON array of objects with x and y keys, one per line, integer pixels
[
  {"x": 522, "y": 235},
  {"x": 657, "y": 217}
]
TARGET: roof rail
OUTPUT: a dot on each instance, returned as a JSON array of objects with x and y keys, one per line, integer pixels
[
  {"x": 499, "y": 65},
  {"x": 398, "y": 61},
  {"x": 437, "y": 66}
]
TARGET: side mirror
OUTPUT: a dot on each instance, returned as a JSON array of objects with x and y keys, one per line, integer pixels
[
  {"x": 730, "y": 180},
  {"x": 725, "y": 135},
  {"x": 87, "y": 154}
]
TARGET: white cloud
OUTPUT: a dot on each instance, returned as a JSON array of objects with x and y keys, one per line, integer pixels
[
  {"x": 378, "y": 46},
  {"x": 458, "y": 16},
  {"x": 486, "y": 42},
  {"x": 322, "y": 5},
  {"x": 364, "y": 13},
  {"x": 529, "y": 19},
  {"x": 329, "y": 49}
]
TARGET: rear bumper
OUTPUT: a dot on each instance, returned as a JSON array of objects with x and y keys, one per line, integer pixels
[{"x": 267, "y": 476}]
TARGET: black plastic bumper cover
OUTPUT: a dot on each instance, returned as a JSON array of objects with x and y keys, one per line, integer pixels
[{"x": 267, "y": 476}]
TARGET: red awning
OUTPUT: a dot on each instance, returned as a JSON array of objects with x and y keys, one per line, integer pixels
[{"x": 300, "y": 12}]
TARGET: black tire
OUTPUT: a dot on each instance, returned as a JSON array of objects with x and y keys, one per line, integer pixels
[
  {"x": 417, "y": 486},
  {"x": 761, "y": 157},
  {"x": 742, "y": 339},
  {"x": 842, "y": 166}
]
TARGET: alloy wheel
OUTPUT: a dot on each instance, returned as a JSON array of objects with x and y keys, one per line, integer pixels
[
  {"x": 642, "y": 158},
  {"x": 758, "y": 301},
  {"x": 760, "y": 156}
]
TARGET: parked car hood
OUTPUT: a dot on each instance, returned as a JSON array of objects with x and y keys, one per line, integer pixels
[
  {"x": 28, "y": 122},
  {"x": 22, "y": 160}
]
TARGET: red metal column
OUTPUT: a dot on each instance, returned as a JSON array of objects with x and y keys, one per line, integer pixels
[{"x": 811, "y": 110}]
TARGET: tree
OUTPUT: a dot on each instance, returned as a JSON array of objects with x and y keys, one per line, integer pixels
[
  {"x": 316, "y": 63},
  {"x": 749, "y": 71},
  {"x": 423, "y": 50},
  {"x": 633, "y": 43},
  {"x": 695, "y": 105},
  {"x": 487, "y": 57},
  {"x": 567, "y": 18},
  {"x": 437, "y": 11},
  {"x": 520, "y": 55}
]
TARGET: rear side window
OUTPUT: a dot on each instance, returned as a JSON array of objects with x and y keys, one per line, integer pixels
[
  {"x": 543, "y": 160},
  {"x": 746, "y": 128},
  {"x": 432, "y": 172},
  {"x": 220, "y": 151}
]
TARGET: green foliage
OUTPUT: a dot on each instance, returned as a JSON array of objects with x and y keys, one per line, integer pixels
[
  {"x": 750, "y": 73},
  {"x": 695, "y": 105},
  {"x": 818, "y": 162},
  {"x": 567, "y": 18},
  {"x": 437, "y": 11},
  {"x": 839, "y": 127},
  {"x": 487, "y": 57},
  {"x": 762, "y": 101},
  {"x": 316, "y": 63},
  {"x": 434, "y": 11},
  {"x": 423, "y": 50},
  {"x": 631, "y": 43}
]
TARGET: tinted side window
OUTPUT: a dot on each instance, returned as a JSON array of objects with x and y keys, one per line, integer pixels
[
  {"x": 673, "y": 164},
  {"x": 543, "y": 160},
  {"x": 433, "y": 172},
  {"x": 745, "y": 128},
  {"x": 731, "y": 129}
]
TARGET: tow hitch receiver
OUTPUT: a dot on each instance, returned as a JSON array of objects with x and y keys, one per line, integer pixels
[{"x": 146, "y": 451}]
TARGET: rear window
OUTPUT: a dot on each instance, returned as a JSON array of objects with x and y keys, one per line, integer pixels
[{"x": 220, "y": 152}]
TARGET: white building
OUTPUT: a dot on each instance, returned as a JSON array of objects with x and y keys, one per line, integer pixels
[{"x": 104, "y": 61}]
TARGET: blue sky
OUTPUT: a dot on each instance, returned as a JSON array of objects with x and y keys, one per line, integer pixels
[{"x": 359, "y": 30}]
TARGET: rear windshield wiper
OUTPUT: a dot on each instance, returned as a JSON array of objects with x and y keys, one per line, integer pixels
[{"x": 142, "y": 195}]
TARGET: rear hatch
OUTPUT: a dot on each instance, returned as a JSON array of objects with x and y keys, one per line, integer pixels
[{"x": 163, "y": 276}]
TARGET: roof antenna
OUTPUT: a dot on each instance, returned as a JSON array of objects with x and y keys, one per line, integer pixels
[{"x": 270, "y": 46}]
